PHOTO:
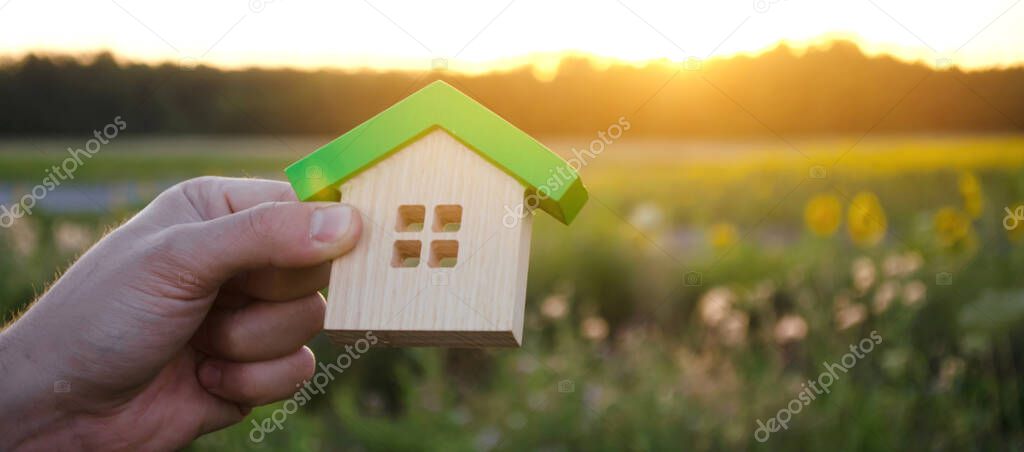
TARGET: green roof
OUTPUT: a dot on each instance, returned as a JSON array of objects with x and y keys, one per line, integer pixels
[{"x": 439, "y": 105}]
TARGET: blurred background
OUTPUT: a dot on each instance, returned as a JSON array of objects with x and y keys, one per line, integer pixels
[{"x": 795, "y": 177}]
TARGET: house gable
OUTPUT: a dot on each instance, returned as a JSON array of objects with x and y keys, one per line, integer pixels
[{"x": 439, "y": 105}]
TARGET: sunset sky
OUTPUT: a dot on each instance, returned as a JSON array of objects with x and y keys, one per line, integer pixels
[{"x": 482, "y": 35}]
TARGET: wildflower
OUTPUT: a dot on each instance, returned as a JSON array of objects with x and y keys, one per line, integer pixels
[
  {"x": 865, "y": 220},
  {"x": 892, "y": 265},
  {"x": 968, "y": 183},
  {"x": 952, "y": 227},
  {"x": 715, "y": 305},
  {"x": 595, "y": 328},
  {"x": 974, "y": 204},
  {"x": 647, "y": 216},
  {"x": 914, "y": 292},
  {"x": 898, "y": 265},
  {"x": 733, "y": 329},
  {"x": 790, "y": 328},
  {"x": 970, "y": 191},
  {"x": 884, "y": 296},
  {"x": 723, "y": 235},
  {"x": 823, "y": 214},
  {"x": 851, "y": 316},
  {"x": 863, "y": 272},
  {"x": 555, "y": 307}
]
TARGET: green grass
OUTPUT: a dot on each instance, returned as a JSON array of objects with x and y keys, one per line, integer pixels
[
  {"x": 141, "y": 166},
  {"x": 946, "y": 375}
]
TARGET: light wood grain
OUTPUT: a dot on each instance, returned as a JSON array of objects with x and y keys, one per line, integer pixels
[{"x": 477, "y": 303}]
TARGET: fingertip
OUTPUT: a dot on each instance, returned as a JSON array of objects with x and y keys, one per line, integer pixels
[
  {"x": 307, "y": 362},
  {"x": 319, "y": 308},
  {"x": 259, "y": 383},
  {"x": 337, "y": 226}
]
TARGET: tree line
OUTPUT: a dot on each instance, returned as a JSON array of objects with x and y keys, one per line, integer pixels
[{"x": 833, "y": 89}]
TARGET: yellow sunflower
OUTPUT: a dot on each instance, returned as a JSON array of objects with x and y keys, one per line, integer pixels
[
  {"x": 823, "y": 214},
  {"x": 865, "y": 220},
  {"x": 952, "y": 227},
  {"x": 722, "y": 235},
  {"x": 970, "y": 191}
]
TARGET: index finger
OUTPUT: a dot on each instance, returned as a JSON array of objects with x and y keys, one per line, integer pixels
[{"x": 215, "y": 197}]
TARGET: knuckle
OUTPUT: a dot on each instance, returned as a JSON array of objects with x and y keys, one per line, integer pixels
[
  {"x": 247, "y": 389},
  {"x": 201, "y": 182},
  {"x": 198, "y": 188},
  {"x": 197, "y": 191},
  {"x": 264, "y": 221},
  {"x": 231, "y": 339},
  {"x": 272, "y": 286}
]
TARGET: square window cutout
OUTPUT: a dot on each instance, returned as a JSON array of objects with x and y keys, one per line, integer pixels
[
  {"x": 410, "y": 218},
  {"x": 447, "y": 218},
  {"x": 407, "y": 254},
  {"x": 444, "y": 253}
]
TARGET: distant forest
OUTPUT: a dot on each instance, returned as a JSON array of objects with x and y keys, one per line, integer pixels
[{"x": 834, "y": 89}]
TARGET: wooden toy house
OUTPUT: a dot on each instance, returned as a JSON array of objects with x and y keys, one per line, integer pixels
[{"x": 446, "y": 188}]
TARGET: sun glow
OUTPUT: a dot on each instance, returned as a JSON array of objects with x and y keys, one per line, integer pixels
[{"x": 497, "y": 35}]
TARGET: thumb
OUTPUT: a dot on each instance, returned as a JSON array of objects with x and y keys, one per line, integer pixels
[{"x": 273, "y": 234}]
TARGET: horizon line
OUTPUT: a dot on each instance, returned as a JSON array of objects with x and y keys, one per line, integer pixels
[{"x": 544, "y": 65}]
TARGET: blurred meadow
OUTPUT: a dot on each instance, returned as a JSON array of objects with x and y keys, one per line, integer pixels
[
  {"x": 796, "y": 178},
  {"x": 703, "y": 283}
]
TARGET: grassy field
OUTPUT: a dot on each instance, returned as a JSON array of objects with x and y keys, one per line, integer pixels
[{"x": 703, "y": 284}]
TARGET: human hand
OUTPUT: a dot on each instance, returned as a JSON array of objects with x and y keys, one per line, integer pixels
[{"x": 177, "y": 322}]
